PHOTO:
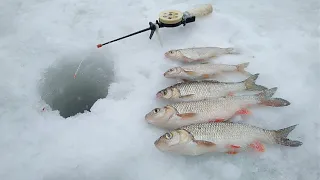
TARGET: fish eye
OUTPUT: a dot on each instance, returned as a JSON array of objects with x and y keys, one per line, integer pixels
[
  {"x": 165, "y": 92},
  {"x": 156, "y": 110},
  {"x": 171, "y": 52},
  {"x": 168, "y": 135}
]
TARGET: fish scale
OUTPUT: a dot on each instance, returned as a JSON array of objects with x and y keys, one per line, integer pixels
[
  {"x": 205, "y": 52},
  {"x": 214, "y": 106},
  {"x": 208, "y": 89},
  {"x": 216, "y": 132},
  {"x": 209, "y": 68}
]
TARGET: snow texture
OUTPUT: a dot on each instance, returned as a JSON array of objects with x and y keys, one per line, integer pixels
[{"x": 280, "y": 39}]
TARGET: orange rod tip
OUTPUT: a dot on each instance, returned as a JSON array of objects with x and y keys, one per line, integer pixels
[{"x": 99, "y": 45}]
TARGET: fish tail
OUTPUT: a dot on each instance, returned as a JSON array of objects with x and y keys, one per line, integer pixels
[
  {"x": 251, "y": 85},
  {"x": 265, "y": 98},
  {"x": 281, "y": 137},
  {"x": 231, "y": 50},
  {"x": 241, "y": 67}
]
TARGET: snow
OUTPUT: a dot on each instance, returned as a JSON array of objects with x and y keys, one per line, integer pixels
[{"x": 280, "y": 39}]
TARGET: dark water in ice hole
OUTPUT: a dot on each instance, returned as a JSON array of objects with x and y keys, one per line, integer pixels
[{"x": 70, "y": 96}]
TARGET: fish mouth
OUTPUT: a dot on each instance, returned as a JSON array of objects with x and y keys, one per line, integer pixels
[
  {"x": 147, "y": 118},
  {"x": 159, "y": 95},
  {"x": 159, "y": 144},
  {"x": 165, "y": 74}
]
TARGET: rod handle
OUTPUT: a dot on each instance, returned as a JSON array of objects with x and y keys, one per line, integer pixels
[{"x": 200, "y": 10}]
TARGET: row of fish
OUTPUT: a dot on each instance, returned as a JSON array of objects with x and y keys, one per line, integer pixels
[{"x": 199, "y": 118}]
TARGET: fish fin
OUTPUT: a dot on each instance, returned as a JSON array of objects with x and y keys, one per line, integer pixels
[
  {"x": 191, "y": 73},
  {"x": 216, "y": 120},
  {"x": 243, "y": 112},
  {"x": 258, "y": 146},
  {"x": 268, "y": 93},
  {"x": 281, "y": 137},
  {"x": 205, "y": 76},
  {"x": 219, "y": 120},
  {"x": 204, "y": 143},
  {"x": 251, "y": 85},
  {"x": 188, "y": 60},
  {"x": 241, "y": 67},
  {"x": 204, "y": 62},
  {"x": 265, "y": 99},
  {"x": 183, "y": 80},
  {"x": 230, "y": 94},
  {"x": 234, "y": 146},
  {"x": 186, "y": 96},
  {"x": 186, "y": 116},
  {"x": 231, "y": 50},
  {"x": 275, "y": 102},
  {"x": 232, "y": 152},
  {"x": 232, "y": 149}
]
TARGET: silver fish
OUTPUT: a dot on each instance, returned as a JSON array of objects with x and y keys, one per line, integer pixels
[
  {"x": 204, "y": 71},
  {"x": 205, "y": 89},
  {"x": 210, "y": 110},
  {"x": 230, "y": 138},
  {"x": 202, "y": 54}
]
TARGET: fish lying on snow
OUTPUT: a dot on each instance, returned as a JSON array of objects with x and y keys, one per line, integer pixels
[
  {"x": 204, "y": 71},
  {"x": 231, "y": 138},
  {"x": 188, "y": 55},
  {"x": 218, "y": 110},
  {"x": 199, "y": 90}
]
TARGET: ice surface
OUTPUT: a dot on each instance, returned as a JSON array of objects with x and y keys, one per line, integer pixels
[{"x": 280, "y": 39}]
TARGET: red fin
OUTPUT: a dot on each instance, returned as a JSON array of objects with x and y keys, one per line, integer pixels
[
  {"x": 217, "y": 120},
  {"x": 234, "y": 146},
  {"x": 232, "y": 152},
  {"x": 187, "y": 115},
  {"x": 191, "y": 73},
  {"x": 230, "y": 94},
  {"x": 205, "y": 76},
  {"x": 232, "y": 149},
  {"x": 258, "y": 146},
  {"x": 244, "y": 111}
]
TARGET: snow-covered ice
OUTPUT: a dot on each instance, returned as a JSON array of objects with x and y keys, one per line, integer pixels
[{"x": 280, "y": 39}]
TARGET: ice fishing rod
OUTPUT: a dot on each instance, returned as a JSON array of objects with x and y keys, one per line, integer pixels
[{"x": 170, "y": 19}]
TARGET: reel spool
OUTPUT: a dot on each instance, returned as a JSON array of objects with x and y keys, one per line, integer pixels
[{"x": 170, "y": 17}]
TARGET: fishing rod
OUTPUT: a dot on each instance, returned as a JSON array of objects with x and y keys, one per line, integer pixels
[{"x": 170, "y": 19}]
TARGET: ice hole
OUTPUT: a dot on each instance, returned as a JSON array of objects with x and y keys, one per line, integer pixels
[{"x": 69, "y": 95}]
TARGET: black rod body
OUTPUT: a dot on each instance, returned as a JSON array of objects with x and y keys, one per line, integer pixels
[{"x": 143, "y": 30}]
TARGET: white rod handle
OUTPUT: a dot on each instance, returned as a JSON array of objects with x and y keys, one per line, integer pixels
[{"x": 201, "y": 10}]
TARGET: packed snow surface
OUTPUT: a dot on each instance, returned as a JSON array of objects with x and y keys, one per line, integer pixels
[{"x": 280, "y": 39}]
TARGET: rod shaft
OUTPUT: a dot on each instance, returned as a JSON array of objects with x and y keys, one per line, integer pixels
[{"x": 143, "y": 30}]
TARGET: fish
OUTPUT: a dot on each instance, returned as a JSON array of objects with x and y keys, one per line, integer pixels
[
  {"x": 223, "y": 137},
  {"x": 205, "y": 89},
  {"x": 198, "y": 54},
  {"x": 204, "y": 71},
  {"x": 221, "y": 109}
]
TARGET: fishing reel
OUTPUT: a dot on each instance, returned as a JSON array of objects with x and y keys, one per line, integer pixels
[{"x": 170, "y": 19}]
